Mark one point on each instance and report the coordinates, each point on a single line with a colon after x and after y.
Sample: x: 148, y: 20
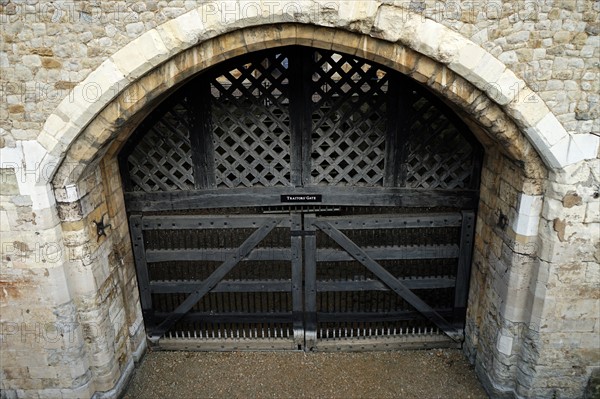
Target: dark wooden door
x: 317, y: 278
x: 302, y: 199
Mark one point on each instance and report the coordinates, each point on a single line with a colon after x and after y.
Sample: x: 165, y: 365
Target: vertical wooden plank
x: 310, y: 283
x: 297, y: 300
x: 197, y: 100
x: 396, y: 151
x: 464, y: 265
x: 139, y: 253
x: 300, y: 63
x: 297, y: 114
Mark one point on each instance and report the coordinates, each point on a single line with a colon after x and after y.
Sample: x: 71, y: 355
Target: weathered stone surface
x: 61, y: 67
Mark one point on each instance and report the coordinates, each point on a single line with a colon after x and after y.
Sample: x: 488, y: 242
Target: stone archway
x: 128, y: 85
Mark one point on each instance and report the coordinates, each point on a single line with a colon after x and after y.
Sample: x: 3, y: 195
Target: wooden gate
x: 302, y: 199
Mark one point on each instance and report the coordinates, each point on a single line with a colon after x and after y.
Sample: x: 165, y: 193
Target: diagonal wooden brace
x: 205, y: 286
x: 388, y: 279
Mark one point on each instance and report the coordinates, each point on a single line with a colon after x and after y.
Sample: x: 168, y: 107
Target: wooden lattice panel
x: 299, y: 117
x: 162, y: 161
x: 251, y: 121
x: 349, y: 121
x: 439, y: 156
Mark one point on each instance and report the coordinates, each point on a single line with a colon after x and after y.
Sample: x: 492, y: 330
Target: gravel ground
x: 425, y: 374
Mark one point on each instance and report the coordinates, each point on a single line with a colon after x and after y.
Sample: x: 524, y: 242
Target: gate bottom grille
x: 408, y: 340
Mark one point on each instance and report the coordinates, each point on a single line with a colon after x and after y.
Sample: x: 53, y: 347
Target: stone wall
x: 49, y: 47
x: 70, y: 318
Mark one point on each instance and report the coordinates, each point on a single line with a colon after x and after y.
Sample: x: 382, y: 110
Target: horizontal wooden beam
x: 207, y: 222
x: 216, y: 254
x: 374, y: 285
x: 391, y: 221
x: 323, y: 255
x: 269, y: 197
x: 171, y: 287
x: 392, y: 253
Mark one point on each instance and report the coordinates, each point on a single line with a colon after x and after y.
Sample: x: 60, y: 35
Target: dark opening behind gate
x: 302, y: 199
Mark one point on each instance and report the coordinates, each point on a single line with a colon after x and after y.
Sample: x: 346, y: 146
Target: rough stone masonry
x: 77, y: 76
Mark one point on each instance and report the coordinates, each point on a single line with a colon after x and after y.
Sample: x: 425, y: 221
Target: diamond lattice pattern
x: 162, y: 159
x: 439, y: 156
x: 349, y: 121
x: 347, y: 100
x: 251, y: 124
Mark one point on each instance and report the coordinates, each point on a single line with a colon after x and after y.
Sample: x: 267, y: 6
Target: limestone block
x: 346, y: 42
x: 182, y: 32
x: 85, y: 391
x: 526, y: 225
x: 505, y: 88
x: 50, y: 143
x: 91, y: 95
x: 55, y: 124
x: 573, y: 149
x: 231, y: 45
x: 468, y: 56
x: 443, y: 78
x: 546, y: 134
x: 424, y: 70
x: 487, y: 71
x: 81, y: 280
x: 389, y: 26
x: 550, y: 247
x: 140, y: 55
x: 428, y: 36
x: 357, y: 14
x: 592, y: 212
x: 55, y: 287
x: 530, y: 204
x: 256, y: 39
x: 323, y: 38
